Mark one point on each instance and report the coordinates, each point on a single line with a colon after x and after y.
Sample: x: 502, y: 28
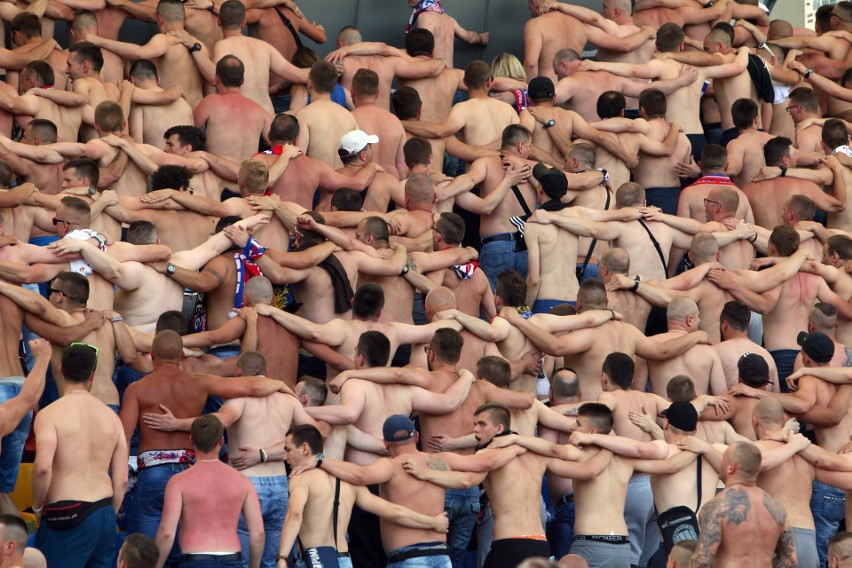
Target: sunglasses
x: 57, y: 221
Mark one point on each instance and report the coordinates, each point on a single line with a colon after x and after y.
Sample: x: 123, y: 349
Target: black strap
x: 698, y: 480
x: 289, y: 26
x: 594, y: 241
x: 337, y: 506
x: 521, y: 200
x: 656, y: 245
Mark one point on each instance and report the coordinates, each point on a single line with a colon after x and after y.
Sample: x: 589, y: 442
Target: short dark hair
x: 511, y: 288
x: 174, y: 320
x: 840, y: 244
x: 85, y: 168
x: 736, y: 315
x: 417, y: 151
x: 513, y: 135
x: 365, y: 83
x: 44, y: 75
x: 406, y: 103
x: 251, y: 363
x: 806, y: 98
x: 611, y: 104
x: 775, y: 149
x: 494, y: 369
x: 347, y: 200
x: 206, y: 432
x: 109, y: 116
x: 785, y: 239
x: 802, y: 206
x: 304, y: 57
x: 368, y: 301
x: 142, y: 233
x: 653, y: 102
x: 834, y: 133
x: 323, y: 75
x: 419, y: 41
x: 233, y: 14
x: 497, y: 413
x: 307, y: 434
x: 376, y: 227
x: 680, y: 388
x: 619, y: 367
x: 44, y: 129
x: 315, y: 389
x: 284, y: 128
x: 669, y: 37
x: 452, y: 227
x: 27, y: 23
x: 76, y: 287
x: 79, y: 362
x: 743, y: 113
x: 139, y: 551
x: 230, y: 69
x: 599, y: 416
x: 447, y: 344
x: 592, y: 293
x: 143, y: 69
x: 187, y: 135
x: 170, y: 177
x: 88, y: 52
x: 714, y: 157
x: 476, y: 74
x: 374, y: 347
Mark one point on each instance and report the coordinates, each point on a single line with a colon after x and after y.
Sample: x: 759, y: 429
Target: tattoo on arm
x: 219, y: 277
x: 436, y: 464
x: 785, y: 550
x: 710, y: 533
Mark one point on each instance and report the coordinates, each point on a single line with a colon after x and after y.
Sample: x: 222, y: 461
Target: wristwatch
x: 320, y: 457
x: 549, y: 124
x: 195, y: 47
x: 405, y: 270
x: 170, y: 269
x: 808, y: 73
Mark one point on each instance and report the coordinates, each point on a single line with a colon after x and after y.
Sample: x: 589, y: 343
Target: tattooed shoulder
x: 775, y: 509
x: 436, y: 463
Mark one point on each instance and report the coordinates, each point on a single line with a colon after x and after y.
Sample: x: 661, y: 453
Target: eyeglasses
x: 706, y: 201
x: 57, y: 291
x: 93, y: 348
x: 435, y: 229
x: 56, y: 221
x: 790, y: 107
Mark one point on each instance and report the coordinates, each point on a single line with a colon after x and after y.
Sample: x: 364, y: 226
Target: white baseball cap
x: 353, y: 142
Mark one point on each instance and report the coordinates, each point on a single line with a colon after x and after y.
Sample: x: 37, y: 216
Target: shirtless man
x: 323, y: 122
x: 745, y: 156
x: 579, y: 89
x: 357, y: 150
x: 377, y: 121
x: 82, y: 463
x: 304, y: 174
x: 164, y: 454
x: 480, y: 120
x: 804, y: 106
x: 720, y: 210
x: 723, y: 526
x: 635, y: 309
x: 38, y: 75
x: 733, y: 323
x: 585, y: 349
x: 690, y: 284
x: 444, y: 27
x: 280, y: 27
x: 701, y: 362
x: 767, y: 196
x: 27, y: 38
x: 547, y: 33
x: 257, y: 423
x: 148, y: 123
x: 209, y: 525
x: 85, y: 61
x: 511, y: 482
x: 313, y: 492
x: 84, y: 26
x: 386, y: 61
x: 264, y: 57
x: 174, y: 64
x: 697, y: 19
x: 216, y: 112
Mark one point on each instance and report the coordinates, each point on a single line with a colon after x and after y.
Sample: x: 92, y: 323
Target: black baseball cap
x: 541, y: 88
x: 753, y: 370
x: 817, y: 345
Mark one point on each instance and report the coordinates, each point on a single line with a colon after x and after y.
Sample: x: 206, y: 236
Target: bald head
x: 168, y: 346
x: 259, y: 289
x: 617, y: 260
x: 681, y: 308
x: 769, y: 411
x: 728, y: 199
x: 747, y: 458
x: 440, y: 299
x: 33, y: 558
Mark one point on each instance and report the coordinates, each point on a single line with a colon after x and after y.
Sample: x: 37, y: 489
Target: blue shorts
x: 320, y: 557
x: 663, y: 197
x: 13, y: 443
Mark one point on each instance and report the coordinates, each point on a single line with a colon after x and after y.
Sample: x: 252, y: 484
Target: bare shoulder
x: 775, y: 509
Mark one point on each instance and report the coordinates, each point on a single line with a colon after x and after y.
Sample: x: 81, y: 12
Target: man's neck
x: 713, y: 173
x: 679, y: 327
x: 232, y: 32
x: 164, y: 364
x: 172, y: 27
x: 418, y: 169
x: 315, y: 96
x: 478, y: 94
x: 223, y: 90
x: 364, y: 103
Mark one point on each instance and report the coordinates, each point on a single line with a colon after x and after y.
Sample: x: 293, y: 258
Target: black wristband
x: 636, y: 283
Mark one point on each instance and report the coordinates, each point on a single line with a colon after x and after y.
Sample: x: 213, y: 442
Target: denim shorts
x: 13, y: 443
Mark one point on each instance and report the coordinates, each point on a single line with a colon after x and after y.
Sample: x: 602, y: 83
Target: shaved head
x: 168, y: 346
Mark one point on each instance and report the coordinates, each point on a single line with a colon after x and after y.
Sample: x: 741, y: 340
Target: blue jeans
x: 273, y: 495
x: 462, y: 507
x: 148, y: 502
x: 828, y: 507
x: 498, y: 256
x: 13, y: 443
x: 442, y: 561
x: 560, y: 529
x: 544, y: 306
x: 91, y: 544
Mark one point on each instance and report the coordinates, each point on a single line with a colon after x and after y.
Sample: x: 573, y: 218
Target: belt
x: 343, y: 555
x: 499, y: 237
x: 211, y: 557
x: 418, y: 553
x: 565, y: 499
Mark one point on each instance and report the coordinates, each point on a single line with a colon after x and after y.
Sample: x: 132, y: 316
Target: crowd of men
x: 378, y: 310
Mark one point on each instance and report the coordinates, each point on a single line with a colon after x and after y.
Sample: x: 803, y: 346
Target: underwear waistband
x: 608, y: 538
x: 153, y: 458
